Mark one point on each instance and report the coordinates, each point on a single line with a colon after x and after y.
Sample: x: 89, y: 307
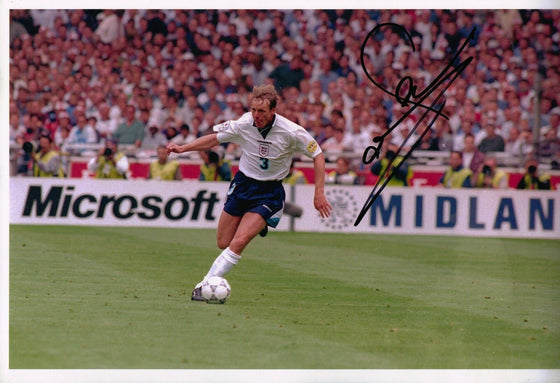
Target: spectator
x: 443, y: 135
x: 518, y: 145
x: 342, y: 175
x: 263, y: 24
x: 131, y: 131
x: 358, y: 139
x: 184, y: 136
x: 456, y: 176
x: 109, y: 162
x: 428, y: 141
x: 154, y: 138
x: 492, y: 142
x: 186, y: 111
x: 171, y: 132
x: 334, y: 146
x: 213, y: 167
x: 106, y: 125
x: 17, y: 30
x: 16, y: 129
x: 110, y: 26
x: 164, y: 168
x: 549, y: 147
x: 82, y: 133
x: 401, y: 137
x: 317, y: 95
x: 46, y: 162
x: 400, y: 176
x: 288, y: 74
x: 402, y: 128
x: 54, y: 57
x: 51, y: 123
x: 531, y: 179
x: 472, y: 157
x: 325, y: 74
x: 210, y: 96
x: 554, y: 123
x: 34, y: 128
x: 344, y: 69
x: 489, y: 176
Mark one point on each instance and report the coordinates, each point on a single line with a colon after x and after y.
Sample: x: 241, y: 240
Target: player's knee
x: 222, y: 243
x: 238, y: 243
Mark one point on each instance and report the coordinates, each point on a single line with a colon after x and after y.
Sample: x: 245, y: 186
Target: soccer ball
x: 215, y: 290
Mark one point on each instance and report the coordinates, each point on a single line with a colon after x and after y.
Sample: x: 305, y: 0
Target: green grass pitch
x: 100, y: 297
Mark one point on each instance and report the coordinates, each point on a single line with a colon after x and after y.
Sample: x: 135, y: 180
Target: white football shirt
x: 267, y: 158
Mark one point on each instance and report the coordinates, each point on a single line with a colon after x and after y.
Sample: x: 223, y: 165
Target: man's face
x: 342, y: 166
x: 81, y: 121
x: 469, y: 144
x: 162, y: 154
x: 455, y: 160
x: 129, y: 112
x: 44, y: 144
x: 262, y: 113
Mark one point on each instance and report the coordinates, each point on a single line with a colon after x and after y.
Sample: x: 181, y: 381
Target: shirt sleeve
x: 306, y: 144
x: 228, y: 131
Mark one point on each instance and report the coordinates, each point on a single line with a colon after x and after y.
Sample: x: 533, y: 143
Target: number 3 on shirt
x: 264, y: 163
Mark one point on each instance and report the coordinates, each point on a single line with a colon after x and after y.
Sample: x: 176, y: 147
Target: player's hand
x: 322, y: 205
x: 172, y: 148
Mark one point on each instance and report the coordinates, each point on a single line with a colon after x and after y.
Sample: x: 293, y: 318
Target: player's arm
x: 320, y: 200
x: 201, y: 143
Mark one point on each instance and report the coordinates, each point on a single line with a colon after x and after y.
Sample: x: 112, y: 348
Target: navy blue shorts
x: 265, y: 198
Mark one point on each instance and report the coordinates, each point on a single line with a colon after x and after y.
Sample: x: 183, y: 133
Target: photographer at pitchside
x: 531, y: 179
x: 489, y: 176
x: 46, y: 161
x: 109, y: 162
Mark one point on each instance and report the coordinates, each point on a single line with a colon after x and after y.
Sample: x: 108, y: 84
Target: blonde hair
x: 266, y: 92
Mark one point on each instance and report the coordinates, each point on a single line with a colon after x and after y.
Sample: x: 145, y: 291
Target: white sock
x: 223, y: 263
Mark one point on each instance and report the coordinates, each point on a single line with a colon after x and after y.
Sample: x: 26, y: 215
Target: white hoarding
x: 438, y: 211
x: 116, y: 202
x: 434, y: 211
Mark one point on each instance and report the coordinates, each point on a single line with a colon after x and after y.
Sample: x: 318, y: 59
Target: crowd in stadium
x: 146, y: 77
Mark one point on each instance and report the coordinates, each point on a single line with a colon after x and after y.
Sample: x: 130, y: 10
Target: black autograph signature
x: 449, y: 74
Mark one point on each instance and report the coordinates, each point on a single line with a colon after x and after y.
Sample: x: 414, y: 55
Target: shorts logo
x: 312, y: 146
x: 263, y: 150
x: 231, y: 189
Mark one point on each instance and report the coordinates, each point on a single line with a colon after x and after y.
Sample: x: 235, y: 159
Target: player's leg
x: 248, y: 227
x: 224, y: 262
x: 227, y: 226
x: 251, y: 224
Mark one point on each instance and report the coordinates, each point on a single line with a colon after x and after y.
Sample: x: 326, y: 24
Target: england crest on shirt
x: 263, y: 150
